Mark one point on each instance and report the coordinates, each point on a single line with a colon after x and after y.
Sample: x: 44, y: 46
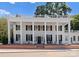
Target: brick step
x: 39, y: 46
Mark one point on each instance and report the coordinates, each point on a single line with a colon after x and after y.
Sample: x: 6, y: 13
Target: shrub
x: 5, y: 40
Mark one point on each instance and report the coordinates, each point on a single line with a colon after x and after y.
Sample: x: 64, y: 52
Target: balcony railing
x: 74, y: 30
x: 50, y: 16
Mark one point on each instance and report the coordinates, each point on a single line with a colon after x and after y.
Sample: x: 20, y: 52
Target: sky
x: 28, y: 8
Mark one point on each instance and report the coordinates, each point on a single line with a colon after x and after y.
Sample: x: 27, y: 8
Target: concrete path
x: 39, y: 53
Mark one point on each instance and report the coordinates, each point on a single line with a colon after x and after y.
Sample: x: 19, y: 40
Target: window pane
x: 17, y: 37
x: 38, y: 27
x: 26, y: 27
x: 49, y: 39
x: 26, y: 37
x: 31, y: 27
x: 50, y: 27
x: 74, y: 38
x: 17, y: 27
x: 43, y: 28
x: 60, y: 28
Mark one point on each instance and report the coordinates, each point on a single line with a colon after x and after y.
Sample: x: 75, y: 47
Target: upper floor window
x: 28, y: 27
x: 55, y: 28
x: 48, y: 27
x: 17, y: 27
x: 39, y: 27
x: 35, y: 27
x: 59, y: 28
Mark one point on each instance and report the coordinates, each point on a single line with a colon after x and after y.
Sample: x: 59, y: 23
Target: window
x: 55, y: 28
x: 50, y: 27
x: 35, y: 27
x: 49, y: 39
x: 31, y: 27
x: 29, y: 37
x: 43, y: 28
x: 38, y: 27
x: 17, y: 27
x: 28, y: 27
x: 59, y: 28
x: 46, y: 28
x: 73, y: 38
x: 17, y: 37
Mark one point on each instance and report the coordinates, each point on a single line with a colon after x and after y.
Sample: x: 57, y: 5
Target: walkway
x: 39, y: 53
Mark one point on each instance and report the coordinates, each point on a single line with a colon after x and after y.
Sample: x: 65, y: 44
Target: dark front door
x: 39, y: 40
x: 60, y: 40
x: 12, y: 37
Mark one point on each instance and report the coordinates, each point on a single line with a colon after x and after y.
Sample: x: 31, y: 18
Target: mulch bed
x: 30, y: 46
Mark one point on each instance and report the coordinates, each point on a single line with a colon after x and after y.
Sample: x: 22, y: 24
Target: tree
x: 65, y: 9
x: 53, y: 9
x: 40, y: 10
x: 75, y: 22
x: 3, y: 29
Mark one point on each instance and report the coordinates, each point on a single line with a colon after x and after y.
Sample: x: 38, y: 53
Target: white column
x: 33, y: 31
x: 9, y: 32
x: 69, y: 32
x: 14, y: 38
x: 57, y: 34
x: 52, y: 39
x: 21, y: 31
x: 63, y: 35
x: 76, y: 39
x: 45, y: 33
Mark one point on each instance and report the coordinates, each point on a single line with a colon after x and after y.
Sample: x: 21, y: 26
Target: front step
x: 39, y: 46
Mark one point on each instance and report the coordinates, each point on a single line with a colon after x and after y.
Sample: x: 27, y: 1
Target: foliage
x: 4, y: 40
x: 53, y: 9
x: 75, y: 22
x: 3, y: 29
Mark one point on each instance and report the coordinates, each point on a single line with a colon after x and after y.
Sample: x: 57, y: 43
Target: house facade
x: 41, y: 30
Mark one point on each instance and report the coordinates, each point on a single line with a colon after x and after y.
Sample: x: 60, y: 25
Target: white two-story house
x: 41, y: 30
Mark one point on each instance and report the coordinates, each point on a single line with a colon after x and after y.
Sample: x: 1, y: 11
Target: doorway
x: 39, y: 40
x: 60, y: 39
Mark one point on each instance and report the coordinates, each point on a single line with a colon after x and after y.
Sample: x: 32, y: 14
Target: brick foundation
x: 39, y: 46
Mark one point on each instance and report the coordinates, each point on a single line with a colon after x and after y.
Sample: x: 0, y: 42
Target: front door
x: 39, y: 40
x: 60, y: 39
